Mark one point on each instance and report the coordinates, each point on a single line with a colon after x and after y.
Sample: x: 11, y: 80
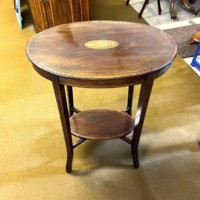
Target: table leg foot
x: 69, y: 160
x: 159, y: 7
x: 136, y: 165
x: 135, y: 159
x: 172, y: 11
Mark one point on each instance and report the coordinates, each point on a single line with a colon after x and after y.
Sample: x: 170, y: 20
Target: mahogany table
x: 186, y: 5
x: 101, y: 54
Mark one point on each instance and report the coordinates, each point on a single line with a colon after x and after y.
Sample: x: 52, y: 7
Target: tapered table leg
x: 60, y: 95
x: 144, y: 96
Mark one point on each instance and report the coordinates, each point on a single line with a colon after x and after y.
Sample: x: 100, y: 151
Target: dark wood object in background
x: 49, y: 13
x: 101, y: 124
x: 61, y: 55
x: 184, y: 4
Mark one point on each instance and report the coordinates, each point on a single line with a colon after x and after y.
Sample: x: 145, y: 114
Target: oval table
x: 101, y: 54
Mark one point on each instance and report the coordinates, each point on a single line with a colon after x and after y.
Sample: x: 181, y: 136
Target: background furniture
x: 49, y: 13
x: 187, y: 6
x: 144, y: 6
x: 76, y: 55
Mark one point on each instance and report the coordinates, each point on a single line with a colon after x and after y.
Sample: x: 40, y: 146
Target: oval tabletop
x: 96, y: 50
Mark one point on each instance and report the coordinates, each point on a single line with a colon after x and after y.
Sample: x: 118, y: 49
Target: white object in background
x: 18, y: 12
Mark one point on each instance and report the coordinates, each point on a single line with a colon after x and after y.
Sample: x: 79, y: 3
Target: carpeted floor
x: 32, y: 149
x: 183, y: 35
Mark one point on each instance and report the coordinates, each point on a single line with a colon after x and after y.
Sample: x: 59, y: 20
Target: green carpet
x: 113, y: 10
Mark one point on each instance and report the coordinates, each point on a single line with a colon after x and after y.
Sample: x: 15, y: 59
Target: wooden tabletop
x: 101, y: 50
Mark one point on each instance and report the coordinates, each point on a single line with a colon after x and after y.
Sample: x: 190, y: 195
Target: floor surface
x: 32, y: 149
x: 163, y: 21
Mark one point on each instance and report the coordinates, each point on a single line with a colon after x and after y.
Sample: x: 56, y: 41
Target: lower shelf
x: 101, y: 124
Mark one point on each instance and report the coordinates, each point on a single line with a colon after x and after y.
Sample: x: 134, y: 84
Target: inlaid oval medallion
x: 101, y: 44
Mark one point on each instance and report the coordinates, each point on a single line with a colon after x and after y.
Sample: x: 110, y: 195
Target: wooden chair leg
x: 59, y: 91
x: 172, y: 11
x: 159, y: 7
x: 143, y: 7
x: 145, y: 92
x: 127, y: 2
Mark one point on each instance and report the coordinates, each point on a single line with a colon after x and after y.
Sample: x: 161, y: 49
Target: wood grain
x: 49, y: 13
x: 101, y: 124
x: 61, y: 50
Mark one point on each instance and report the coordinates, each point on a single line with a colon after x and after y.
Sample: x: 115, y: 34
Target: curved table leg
x: 189, y: 8
x: 145, y: 93
x: 60, y: 95
x: 172, y: 11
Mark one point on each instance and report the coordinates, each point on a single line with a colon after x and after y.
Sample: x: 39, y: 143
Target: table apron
x: 101, y: 83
